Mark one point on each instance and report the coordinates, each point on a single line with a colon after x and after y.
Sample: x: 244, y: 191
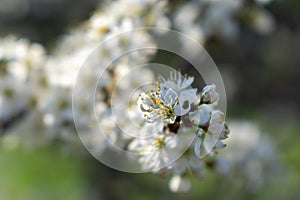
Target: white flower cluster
x: 36, y: 89
x: 251, y: 154
x: 21, y: 68
x: 23, y: 83
x: 183, y: 129
x: 206, y: 19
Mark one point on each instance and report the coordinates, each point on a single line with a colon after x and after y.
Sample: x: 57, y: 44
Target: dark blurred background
x: 43, y: 21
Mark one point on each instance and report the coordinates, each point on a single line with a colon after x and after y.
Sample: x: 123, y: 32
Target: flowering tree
x: 180, y: 127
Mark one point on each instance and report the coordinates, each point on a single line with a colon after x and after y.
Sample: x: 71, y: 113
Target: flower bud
x: 209, y: 94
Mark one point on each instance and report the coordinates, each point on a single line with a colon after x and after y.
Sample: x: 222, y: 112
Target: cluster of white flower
x: 46, y: 82
x: 251, y: 154
x: 182, y: 125
x: 23, y: 82
x: 21, y: 69
x: 183, y: 130
x: 204, y: 19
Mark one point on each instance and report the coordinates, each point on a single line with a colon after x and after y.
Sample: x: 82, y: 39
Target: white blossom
x: 209, y: 94
x: 180, y: 184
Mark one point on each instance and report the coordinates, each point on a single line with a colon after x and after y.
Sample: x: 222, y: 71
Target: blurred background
x: 260, y: 69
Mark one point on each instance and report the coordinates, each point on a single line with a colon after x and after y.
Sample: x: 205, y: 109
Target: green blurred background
x: 261, y: 75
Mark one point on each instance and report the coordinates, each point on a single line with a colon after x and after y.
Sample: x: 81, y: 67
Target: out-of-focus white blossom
x: 252, y: 155
x: 262, y: 21
x: 202, y: 20
x: 21, y: 75
x: 179, y: 184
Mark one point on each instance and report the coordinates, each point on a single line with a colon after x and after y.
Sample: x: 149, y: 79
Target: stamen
x: 157, y: 100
